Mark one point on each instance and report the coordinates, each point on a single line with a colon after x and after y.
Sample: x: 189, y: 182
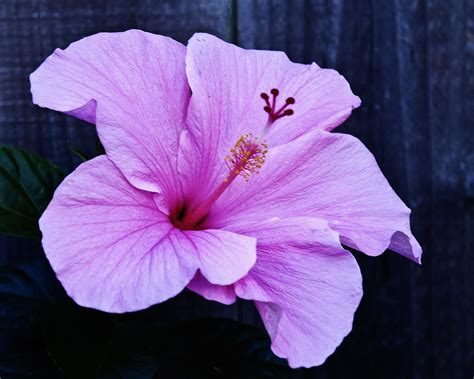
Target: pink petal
x: 227, y: 81
x: 224, y: 257
x: 109, y: 245
x: 136, y: 82
x: 330, y: 176
x: 222, y: 294
x: 306, y: 287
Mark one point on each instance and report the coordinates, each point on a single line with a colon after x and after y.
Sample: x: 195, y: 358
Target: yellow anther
x: 246, y: 157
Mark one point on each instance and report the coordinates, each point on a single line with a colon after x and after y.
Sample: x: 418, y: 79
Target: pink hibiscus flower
x: 220, y: 175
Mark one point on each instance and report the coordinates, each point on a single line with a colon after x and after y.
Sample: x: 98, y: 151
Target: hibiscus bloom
x: 220, y: 175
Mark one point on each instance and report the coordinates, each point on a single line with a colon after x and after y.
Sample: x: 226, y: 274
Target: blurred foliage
x: 27, y: 184
x: 99, y: 150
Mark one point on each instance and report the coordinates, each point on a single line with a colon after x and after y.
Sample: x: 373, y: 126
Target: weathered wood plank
x: 451, y: 143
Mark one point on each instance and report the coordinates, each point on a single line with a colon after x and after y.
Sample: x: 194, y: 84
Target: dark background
x: 411, y: 62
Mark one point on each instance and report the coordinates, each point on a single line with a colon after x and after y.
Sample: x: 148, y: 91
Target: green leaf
x: 27, y: 184
x: 28, y: 287
x: 79, y: 153
x: 98, y: 150
x: 202, y: 348
x: 85, y: 343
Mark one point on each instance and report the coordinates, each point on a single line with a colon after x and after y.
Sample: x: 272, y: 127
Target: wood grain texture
x: 410, y: 61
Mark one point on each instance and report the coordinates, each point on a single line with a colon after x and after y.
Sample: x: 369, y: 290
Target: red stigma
x: 270, y: 105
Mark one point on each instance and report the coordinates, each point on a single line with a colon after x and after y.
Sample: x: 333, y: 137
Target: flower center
x: 246, y: 158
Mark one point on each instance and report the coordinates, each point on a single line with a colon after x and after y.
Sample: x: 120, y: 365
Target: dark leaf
x: 27, y: 290
x: 89, y: 344
x: 27, y: 184
x: 77, y: 339
x: 78, y: 153
x: 205, y: 348
x: 99, y: 148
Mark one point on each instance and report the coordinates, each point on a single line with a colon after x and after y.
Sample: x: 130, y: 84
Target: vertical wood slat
x: 411, y: 63
x: 452, y: 149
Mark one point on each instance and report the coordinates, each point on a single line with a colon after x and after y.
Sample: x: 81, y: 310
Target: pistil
x: 270, y: 107
x: 245, y: 158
